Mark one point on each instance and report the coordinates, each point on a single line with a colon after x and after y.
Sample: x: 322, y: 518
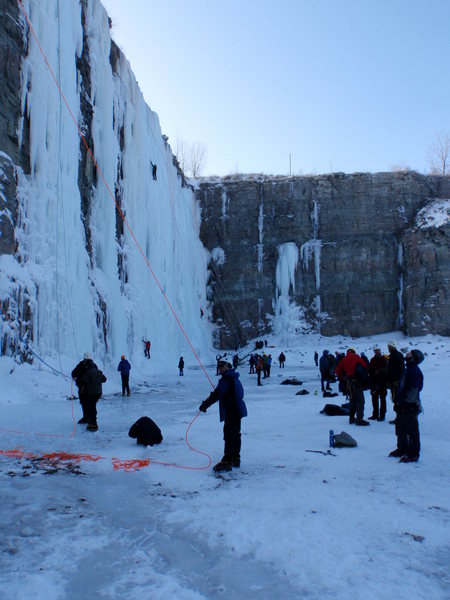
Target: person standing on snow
x: 281, y: 360
x: 324, y: 367
x: 124, y: 368
x: 181, y: 366
x: 259, y: 367
x: 408, y: 409
x: 396, y: 363
x: 353, y: 370
x: 77, y: 374
x: 378, y: 384
x: 92, y: 381
x: 230, y: 394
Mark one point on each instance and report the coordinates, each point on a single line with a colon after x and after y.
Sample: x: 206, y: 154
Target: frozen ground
x: 290, y: 524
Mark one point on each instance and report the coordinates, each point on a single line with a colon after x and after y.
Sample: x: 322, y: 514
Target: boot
x: 92, y: 426
x: 396, y: 453
x: 82, y: 420
x: 373, y: 418
x: 223, y: 465
x: 361, y: 422
x: 236, y: 462
x: 408, y: 459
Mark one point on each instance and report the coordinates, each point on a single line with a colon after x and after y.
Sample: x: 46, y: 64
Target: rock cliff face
x: 361, y: 265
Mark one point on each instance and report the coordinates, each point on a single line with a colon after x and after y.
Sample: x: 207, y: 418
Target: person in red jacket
x: 353, y: 370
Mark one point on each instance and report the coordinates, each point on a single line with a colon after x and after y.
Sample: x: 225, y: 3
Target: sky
x: 293, y: 86
x: 293, y: 522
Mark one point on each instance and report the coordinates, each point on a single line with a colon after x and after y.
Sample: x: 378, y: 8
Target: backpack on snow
x: 343, y: 440
x: 146, y: 431
x: 333, y: 410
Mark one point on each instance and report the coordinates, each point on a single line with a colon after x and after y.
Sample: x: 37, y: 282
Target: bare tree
x: 191, y: 157
x: 181, y: 152
x: 439, y: 153
x: 197, y: 158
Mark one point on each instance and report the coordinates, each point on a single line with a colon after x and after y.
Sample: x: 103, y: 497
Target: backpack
x: 146, y: 431
x: 333, y: 410
x: 362, y: 376
x: 343, y: 440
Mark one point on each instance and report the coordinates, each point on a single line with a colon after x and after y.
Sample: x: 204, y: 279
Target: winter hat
x: 225, y: 363
x: 351, y: 350
x: 376, y: 347
x: 417, y: 356
x: 87, y: 355
x: 392, y: 344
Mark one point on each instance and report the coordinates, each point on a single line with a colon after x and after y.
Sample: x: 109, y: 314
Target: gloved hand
x: 202, y: 407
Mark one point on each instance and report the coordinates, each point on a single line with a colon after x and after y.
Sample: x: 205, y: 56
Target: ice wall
x: 287, y: 315
x: 79, y: 298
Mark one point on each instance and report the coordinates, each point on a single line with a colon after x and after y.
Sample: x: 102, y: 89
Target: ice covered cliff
x: 74, y: 276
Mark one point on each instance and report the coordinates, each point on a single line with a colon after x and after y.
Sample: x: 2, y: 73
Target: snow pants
x: 232, y: 438
x: 378, y: 409
x: 125, y: 385
x: 356, y: 401
x: 91, y: 408
x: 83, y: 402
x: 407, y: 430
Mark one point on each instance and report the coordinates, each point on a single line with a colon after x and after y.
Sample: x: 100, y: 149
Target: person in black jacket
x: 378, y: 384
x: 181, y: 366
x: 396, y: 363
x: 324, y: 367
x: 408, y: 408
x: 230, y: 393
x: 92, y: 381
x: 77, y: 374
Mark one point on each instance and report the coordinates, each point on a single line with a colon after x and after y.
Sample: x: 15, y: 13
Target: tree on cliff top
x: 191, y: 157
x: 439, y: 153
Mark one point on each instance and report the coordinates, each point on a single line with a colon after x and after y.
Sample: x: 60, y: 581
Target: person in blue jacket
x: 408, y: 408
x: 230, y: 394
x: 125, y: 368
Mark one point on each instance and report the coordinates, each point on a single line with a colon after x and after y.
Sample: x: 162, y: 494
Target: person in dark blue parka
x: 125, y: 368
x: 230, y: 394
x: 408, y: 408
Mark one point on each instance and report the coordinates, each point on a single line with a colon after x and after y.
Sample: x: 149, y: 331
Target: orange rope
x: 99, y: 171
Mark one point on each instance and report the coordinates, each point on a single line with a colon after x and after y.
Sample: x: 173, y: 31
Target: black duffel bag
x: 146, y: 431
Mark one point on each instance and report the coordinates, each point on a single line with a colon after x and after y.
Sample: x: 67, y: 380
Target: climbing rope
x: 61, y: 456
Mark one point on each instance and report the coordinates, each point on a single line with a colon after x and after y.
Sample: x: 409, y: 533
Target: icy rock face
x: 74, y: 277
x: 350, y: 230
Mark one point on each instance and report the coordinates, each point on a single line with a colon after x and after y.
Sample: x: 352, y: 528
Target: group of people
x: 355, y: 373
x: 395, y: 372
x: 260, y: 363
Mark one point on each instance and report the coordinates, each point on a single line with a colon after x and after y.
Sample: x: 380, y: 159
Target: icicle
x: 225, y: 204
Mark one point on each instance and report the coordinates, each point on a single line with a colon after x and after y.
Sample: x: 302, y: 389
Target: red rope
x: 99, y: 171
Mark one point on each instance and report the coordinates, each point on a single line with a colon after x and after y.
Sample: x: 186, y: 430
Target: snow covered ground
x: 293, y: 522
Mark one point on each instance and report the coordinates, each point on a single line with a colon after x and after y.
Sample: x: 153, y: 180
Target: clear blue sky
x: 341, y: 85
